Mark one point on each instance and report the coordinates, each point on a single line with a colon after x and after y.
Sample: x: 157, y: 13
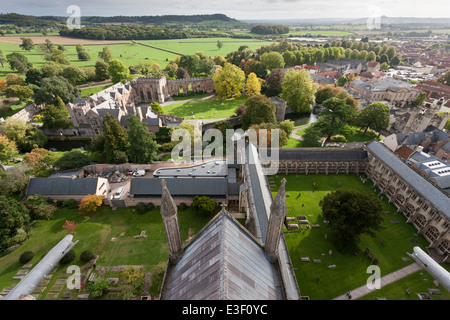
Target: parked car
x: 139, y: 173
x: 118, y: 193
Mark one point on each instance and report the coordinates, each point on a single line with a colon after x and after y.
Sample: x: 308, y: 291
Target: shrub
x: 26, y: 257
x: 339, y: 139
x: 182, y: 206
x: 70, y: 204
x: 87, y: 256
x: 149, y: 206
x: 140, y: 208
x: 68, y: 258
x: 203, y: 205
x: 98, y: 288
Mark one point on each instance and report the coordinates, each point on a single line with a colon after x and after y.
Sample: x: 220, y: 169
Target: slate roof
x: 223, y: 262
x: 62, y: 187
x: 322, y: 155
x: 179, y: 187
x: 437, y: 198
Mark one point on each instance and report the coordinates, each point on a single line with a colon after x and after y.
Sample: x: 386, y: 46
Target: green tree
x: 75, y: 75
x: 287, y: 126
x: 444, y: 79
x: 258, y: 109
x: 101, y: 70
x: 332, y: 119
x: 25, y: 135
x: 27, y: 44
x: 371, y: 56
x: 142, y: 146
x: 13, y: 217
x: 272, y: 60
x: 118, y: 71
x: 229, y: 81
x: 116, y: 140
x: 219, y: 44
x: 420, y: 99
x: 395, y: 61
x: 33, y: 76
x: 156, y: 107
x: 374, y: 116
x: 299, y: 90
x: 341, y: 81
x: 351, y: 214
x: 54, y: 87
x: 56, y: 117
x: 73, y: 159
x: 18, y: 61
x: 191, y: 63
x: 98, y: 288
x: 105, y: 54
x: 203, y: 205
x: 21, y: 92
x: 84, y: 56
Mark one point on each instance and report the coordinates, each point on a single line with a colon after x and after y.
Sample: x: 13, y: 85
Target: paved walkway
x: 387, y: 279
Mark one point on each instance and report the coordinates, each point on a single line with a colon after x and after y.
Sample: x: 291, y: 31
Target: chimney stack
x: 278, y: 211
x: 170, y: 219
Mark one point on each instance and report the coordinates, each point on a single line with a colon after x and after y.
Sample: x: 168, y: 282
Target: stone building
x: 132, y: 98
x: 425, y: 205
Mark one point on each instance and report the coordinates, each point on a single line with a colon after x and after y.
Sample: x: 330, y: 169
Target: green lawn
x: 205, y: 109
x: 87, y: 92
x: 350, y: 269
x: 95, y: 231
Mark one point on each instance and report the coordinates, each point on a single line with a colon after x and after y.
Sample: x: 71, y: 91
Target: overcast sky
x: 238, y: 9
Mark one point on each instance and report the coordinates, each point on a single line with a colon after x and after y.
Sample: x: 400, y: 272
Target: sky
x: 238, y: 9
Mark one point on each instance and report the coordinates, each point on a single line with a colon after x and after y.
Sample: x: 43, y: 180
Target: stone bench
x: 292, y: 226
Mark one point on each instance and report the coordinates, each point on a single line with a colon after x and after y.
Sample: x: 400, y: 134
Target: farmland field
x: 127, y: 52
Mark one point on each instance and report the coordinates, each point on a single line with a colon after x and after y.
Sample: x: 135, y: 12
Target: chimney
x: 278, y: 211
x: 170, y: 219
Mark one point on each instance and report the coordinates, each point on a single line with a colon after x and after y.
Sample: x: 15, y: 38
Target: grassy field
x: 350, y: 269
x: 94, y: 232
x: 87, y: 92
x: 205, y: 109
x: 323, y: 33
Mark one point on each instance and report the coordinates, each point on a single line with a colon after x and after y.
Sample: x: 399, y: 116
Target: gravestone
x: 67, y: 295
x: 375, y: 261
x: 406, y: 259
x: 395, y: 221
x: 27, y: 266
x: 317, y: 261
x: 60, y: 281
x: 304, y: 259
x: 301, y: 218
x: 83, y: 296
x: 436, y: 283
x: 316, y: 226
x: 408, y: 291
x: 434, y: 291
x: 370, y: 256
x: 333, y: 266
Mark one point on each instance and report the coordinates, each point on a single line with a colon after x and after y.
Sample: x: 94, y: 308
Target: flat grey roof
x: 57, y: 186
x: 179, y: 186
x: 209, y: 169
x: 436, y: 197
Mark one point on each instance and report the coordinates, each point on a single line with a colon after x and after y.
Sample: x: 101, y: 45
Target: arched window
x: 400, y: 200
x: 390, y: 191
x: 432, y: 233
x: 409, y: 210
x: 420, y: 221
x: 444, y: 246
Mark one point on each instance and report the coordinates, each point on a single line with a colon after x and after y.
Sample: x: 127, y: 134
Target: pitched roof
x: 223, y: 262
x: 321, y: 154
x: 404, y: 152
x: 62, y: 187
x: 179, y: 186
x: 438, y: 199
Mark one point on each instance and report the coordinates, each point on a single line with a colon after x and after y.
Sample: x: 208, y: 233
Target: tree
x: 98, y: 288
x: 116, y: 140
x: 253, y: 87
x: 182, y: 73
x: 420, y: 99
x: 26, y: 257
x: 374, y: 116
x: 8, y: 149
x: 68, y: 257
x: 267, y: 134
x: 275, y: 83
x: 101, y: 70
x: 272, y: 60
x: 142, y: 146
x: 219, y: 44
x: 14, y: 180
x: 371, y: 56
x: 391, y: 52
x: 190, y: 62
x: 384, y: 66
x: 341, y: 81
x: 395, y: 61
x: 27, y: 44
x: 299, y: 90
x: 39, y: 208
x: 70, y: 226
x: 56, y: 116
x: 13, y: 217
x: 84, y: 56
x: 18, y: 61
x: 33, y: 76
x: 25, y: 135
x: 105, y: 54
x: 203, y: 205
x: 87, y: 256
x: 444, y: 79
x: 73, y: 159
x: 384, y: 59
x: 21, y: 92
x: 287, y: 126
x: 312, y: 136
x: 332, y: 119
x: 351, y: 214
x: 54, y: 87
x: 90, y: 203
x: 229, y: 81
x: 75, y: 75
x: 131, y: 281
x: 258, y: 109
x: 118, y: 71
